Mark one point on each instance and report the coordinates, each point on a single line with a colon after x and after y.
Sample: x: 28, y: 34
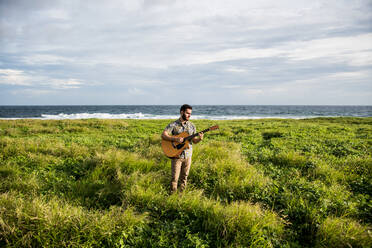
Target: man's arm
x: 198, y: 138
x: 166, y: 136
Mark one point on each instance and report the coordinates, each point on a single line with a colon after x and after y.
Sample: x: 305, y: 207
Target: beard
x: 184, y: 117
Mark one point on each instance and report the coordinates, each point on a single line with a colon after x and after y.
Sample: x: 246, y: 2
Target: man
x: 181, y: 165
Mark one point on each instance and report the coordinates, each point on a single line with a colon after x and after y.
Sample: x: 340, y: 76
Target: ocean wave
x: 105, y: 116
x: 217, y: 112
x: 63, y: 116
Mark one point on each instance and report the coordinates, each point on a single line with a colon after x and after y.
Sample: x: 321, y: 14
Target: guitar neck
x: 196, y: 134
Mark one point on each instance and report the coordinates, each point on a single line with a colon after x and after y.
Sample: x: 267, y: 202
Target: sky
x: 154, y: 52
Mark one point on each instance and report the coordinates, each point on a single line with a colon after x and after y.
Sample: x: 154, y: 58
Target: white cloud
x: 57, y: 14
x: 64, y: 83
x: 46, y: 59
x: 230, y: 86
x: 231, y: 54
x: 32, y: 92
x: 13, y: 77
x: 254, y: 92
x: 351, y: 75
x: 334, y: 79
x: 356, y: 50
x: 136, y: 91
x: 138, y: 46
x: 235, y: 69
x: 31, y: 79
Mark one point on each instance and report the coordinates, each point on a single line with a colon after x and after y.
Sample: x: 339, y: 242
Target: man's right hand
x: 179, y: 140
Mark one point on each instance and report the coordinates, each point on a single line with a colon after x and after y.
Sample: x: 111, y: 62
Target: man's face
x: 186, y: 114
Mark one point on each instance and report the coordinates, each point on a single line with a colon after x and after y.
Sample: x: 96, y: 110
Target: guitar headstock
x: 214, y: 127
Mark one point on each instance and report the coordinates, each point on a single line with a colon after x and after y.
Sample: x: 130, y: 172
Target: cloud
x: 231, y: 54
x: 344, y: 81
x: 30, y: 79
x: 14, y: 77
x: 46, y: 59
x: 230, y: 86
x: 64, y: 83
x: 31, y: 93
x: 166, y: 47
x: 136, y: 91
x: 356, y: 50
x: 235, y: 69
x: 253, y: 92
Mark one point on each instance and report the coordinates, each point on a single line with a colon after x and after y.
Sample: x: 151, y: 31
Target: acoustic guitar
x: 173, y: 149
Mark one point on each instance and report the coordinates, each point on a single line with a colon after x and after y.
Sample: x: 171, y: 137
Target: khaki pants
x: 180, y: 170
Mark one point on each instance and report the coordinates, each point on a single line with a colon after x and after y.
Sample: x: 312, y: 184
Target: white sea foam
x: 63, y: 116
x: 238, y: 117
x: 105, y: 116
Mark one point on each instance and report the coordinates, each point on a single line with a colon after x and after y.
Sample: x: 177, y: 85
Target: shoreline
x: 193, y: 118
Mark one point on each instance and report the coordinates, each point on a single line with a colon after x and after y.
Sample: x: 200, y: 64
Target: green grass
x: 253, y: 183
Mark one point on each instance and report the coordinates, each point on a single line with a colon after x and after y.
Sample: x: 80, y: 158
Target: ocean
x: 212, y: 112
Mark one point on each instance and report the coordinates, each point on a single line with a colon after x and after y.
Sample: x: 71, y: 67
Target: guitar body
x: 172, y: 148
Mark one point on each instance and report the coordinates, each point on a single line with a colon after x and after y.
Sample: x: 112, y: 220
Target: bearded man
x: 181, y: 164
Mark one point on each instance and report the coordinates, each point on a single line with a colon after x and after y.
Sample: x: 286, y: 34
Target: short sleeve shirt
x: 177, y: 127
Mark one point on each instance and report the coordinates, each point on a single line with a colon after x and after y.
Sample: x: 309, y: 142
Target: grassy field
x: 253, y: 183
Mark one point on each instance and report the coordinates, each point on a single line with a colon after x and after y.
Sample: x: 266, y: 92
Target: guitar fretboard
x: 196, y: 134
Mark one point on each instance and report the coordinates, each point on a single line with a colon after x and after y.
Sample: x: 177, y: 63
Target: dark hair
x: 184, y: 107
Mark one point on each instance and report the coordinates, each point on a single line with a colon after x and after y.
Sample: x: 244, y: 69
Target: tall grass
x: 343, y: 232
x: 55, y: 223
x: 253, y: 183
x: 236, y: 224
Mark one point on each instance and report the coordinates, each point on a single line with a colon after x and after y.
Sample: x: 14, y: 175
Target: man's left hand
x: 201, y: 135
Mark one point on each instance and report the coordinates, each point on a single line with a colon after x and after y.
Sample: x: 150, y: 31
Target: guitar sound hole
x: 179, y: 146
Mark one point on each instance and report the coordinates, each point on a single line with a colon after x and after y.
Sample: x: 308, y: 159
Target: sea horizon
x: 211, y: 112
x: 5, y: 105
